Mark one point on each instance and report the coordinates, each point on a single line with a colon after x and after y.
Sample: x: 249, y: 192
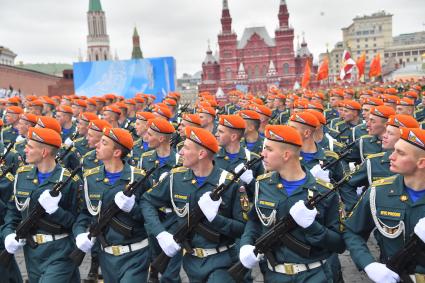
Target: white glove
x: 302, y: 215
x: 68, y: 141
x: 49, y: 203
x: 11, y: 245
x: 83, y: 242
x: 319, y: 173
x: 247, y: 256
x: 247, y: 176
x: 124, y: 202
x: 168, y: 244
x: 208, y: 206
x: 420, y: 229
x: 380, y: 273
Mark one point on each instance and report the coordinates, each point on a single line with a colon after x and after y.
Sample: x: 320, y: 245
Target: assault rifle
x: 279, y: 235
x: 60, y: 158
x: 403, y: 262
x: 107, y: 216
x: 8, y: 149
x: 193, y: 221
x: 34, y: 218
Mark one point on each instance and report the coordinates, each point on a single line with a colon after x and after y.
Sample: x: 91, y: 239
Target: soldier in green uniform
x: 64, y: 117
x: 376, y: 166
x: 280, y: 114
x: 252, y: 139
x: 350, y: 118
x: 49, y: 261
x: 122, y: 258
x: 111, y: 114
x: 395, y: 207
x: 188, y: 120
x: 26, y: 121
x: 282, y: 192
x: 94, y: 134
x: 405, y: 106
x: 9, y: 133
x: 207, y: 115
x: 334, y: 98
x: 361, y: 129
x: 191, y: 184
x: 265, y: 114
x: 140, y: 145
x: 83, y: 122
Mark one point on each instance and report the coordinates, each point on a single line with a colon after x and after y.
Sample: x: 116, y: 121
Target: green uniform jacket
x: 12, y: 159
x: 150, y: 159
x: 8, y: 135
x: 272, y: 203
x: 257, y: 147
x: 359, y: 131
x: 392, y: 205
x: 137, y: 151
x: 81, y: 146
x: 345, y: 132
x: 365, y: 146
x: 330, y: 114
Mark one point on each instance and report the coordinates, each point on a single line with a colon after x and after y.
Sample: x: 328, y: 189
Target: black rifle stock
x: 195, y: 217
x: 24, y: 228
x: 278, y: 235
x: 107, y: 216
x: 8, y: 149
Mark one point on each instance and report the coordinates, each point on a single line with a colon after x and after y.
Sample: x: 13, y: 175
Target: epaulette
x: 339, y: 144
x: 264, y: 176
x: 19, y: 142
x: 66, y: 173
x: 331, y: 154
x: 384, y: 181
x: 79, y: 139
x: 10, y: 177
x: 148, y: 153
x: 88, y: 153
x: 339, y: 122
x: 138, y: 171
x: 138, y: 141
x: 324, y: 183
x: 92, y: 171
x: 6, y: 128
x: 379, y: 154
x: 366, y: 136
x: 179, y: 169
x: 256, y: 155
x: 25, y: 168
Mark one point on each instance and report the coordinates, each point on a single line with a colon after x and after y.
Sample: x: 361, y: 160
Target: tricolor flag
x: 347, y: 66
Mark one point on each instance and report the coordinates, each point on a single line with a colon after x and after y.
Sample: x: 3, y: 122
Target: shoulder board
x: 339, y: 122
x: 253, y: 154
x: 19, y: 142
x: 88, y: 153
x: 73, y: 149
x: 10, y: 177
x: 179, y: 169
x: 338, y: 144
x: 25, y: 168
x: 79, y: 139
x: 180, y: 143
x: 384, y: 181
x: 13, y: 150
x: 67, y: 173
x: 324, y: 184
x: 366, y: 137
x: 264, y: 176
x: 139, y: 171
x: 331, y: 154
x: 148, y: 153
x: 92, y: 171
x: 7, y: 128
x: 138, y: 141
x: 374, y: 155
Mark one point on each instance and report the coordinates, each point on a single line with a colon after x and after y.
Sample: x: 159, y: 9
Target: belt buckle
x: 289, y: 268
x: 116, y: 251
x: 420, y: 278
x: 39, y: 238
x: 199, y: 252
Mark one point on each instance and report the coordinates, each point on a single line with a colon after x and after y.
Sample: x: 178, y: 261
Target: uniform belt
x: 165, y: 210
x: 294, y: 268
x: 418, y: 278
x: 43, y: 238
x: 120, y: 250
x: 201, y: 253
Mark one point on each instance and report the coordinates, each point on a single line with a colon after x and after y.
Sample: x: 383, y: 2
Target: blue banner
x: 155, y: 76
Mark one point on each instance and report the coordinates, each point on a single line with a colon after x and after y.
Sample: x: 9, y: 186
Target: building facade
x: 7, y: 56
x: 98, y: 38
x: 406, y: 49
x: 257, y: 60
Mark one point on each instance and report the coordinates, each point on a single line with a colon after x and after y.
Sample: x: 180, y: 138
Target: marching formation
x: 285, y: 181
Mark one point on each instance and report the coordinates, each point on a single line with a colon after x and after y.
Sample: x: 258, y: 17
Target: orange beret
x: 207, y: 110
x: 139, y: 99
x: 164, y: 111
x: 337, y: 93
x: 402, y: 121
x: 64, y: 109
x: 79, y: 102
x: 406, y: 102
x: 29, y: 117
x: 49, y: 123
x: 160, y: 125
x: 1, y: 123
x: 14, y: 110
x: 119, y: 136
x: 315, y: 105
x: 36, y: 103
x: 411, y: 94
x: 258, y: 101
x: 390, y: 98
x: 45, y: 136
x: 391, y: 90
x: 249, y: 115
x: 91, y: 101
x: 414, y: 136
x: 280, y: 96
x: 49, y: 101
x: 352, y: 105
x: 305, y: 118
x: 98, y: 125
x: 121, y: 105
x: 202, y: 137
x: 232, y: 121
x: 318, y: 115
x: 130, y: 101
x: 373, y: 101
x: 112, y: 108
x: 144, y: 116
x: 88, y: 116
x: 170, y: 102
x: 109, y: 96
x: 284, y: 134
x: 261, y: 109
x: 100, y: 99
x: 301, y: 104
x: 192, y: 118
x: 14, y: 100
x: 319, y: 95
x: 382, y: 111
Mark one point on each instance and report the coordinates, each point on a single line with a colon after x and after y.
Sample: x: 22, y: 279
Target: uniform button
x: 279, y: 186
x: 35, y: 181
x: 106, y: 180
x: 403, y: 198
x: 193, y: 181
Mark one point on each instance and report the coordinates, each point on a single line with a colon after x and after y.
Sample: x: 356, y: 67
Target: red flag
x: 347, y: 66
x: 323, y: 71
x: 360, y: 63
x: 306, y: 77
x: 375, y: 66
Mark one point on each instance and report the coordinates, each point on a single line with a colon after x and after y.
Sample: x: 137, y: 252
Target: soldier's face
x: 365, y: 111
x: 23, y: 127
x: 404, y: 158
x: 82, y: 127
x: 104, y: 149
x: 205, y: 119
x: 349, y: 115
x: 406, y: 110
x: 376, y: 125
x: 272, y: 153
x: 189, y: 153
x: 223, y: 135
x: 183, y: 126
x: 153, y: 138
x: 140, y: 127
x: 390, y: 137
x: 33, y: 152
x: 93, y: 137
x: 11, y: 118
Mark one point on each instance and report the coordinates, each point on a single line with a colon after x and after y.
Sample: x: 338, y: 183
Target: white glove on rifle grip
x: 247, y: 176
x: 208, y: 206
x: 420, y: 229
x: 319, y: 173
x: 83, y: 242
x: 380, y: 273
x: 168, y: 244
x: 124, y: 202
x: 49, y: 203
x: 302, y: 215
x: 247, y: 256
x: 11, y: 245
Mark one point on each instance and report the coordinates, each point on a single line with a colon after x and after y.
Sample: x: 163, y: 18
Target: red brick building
x: 256, y: 60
